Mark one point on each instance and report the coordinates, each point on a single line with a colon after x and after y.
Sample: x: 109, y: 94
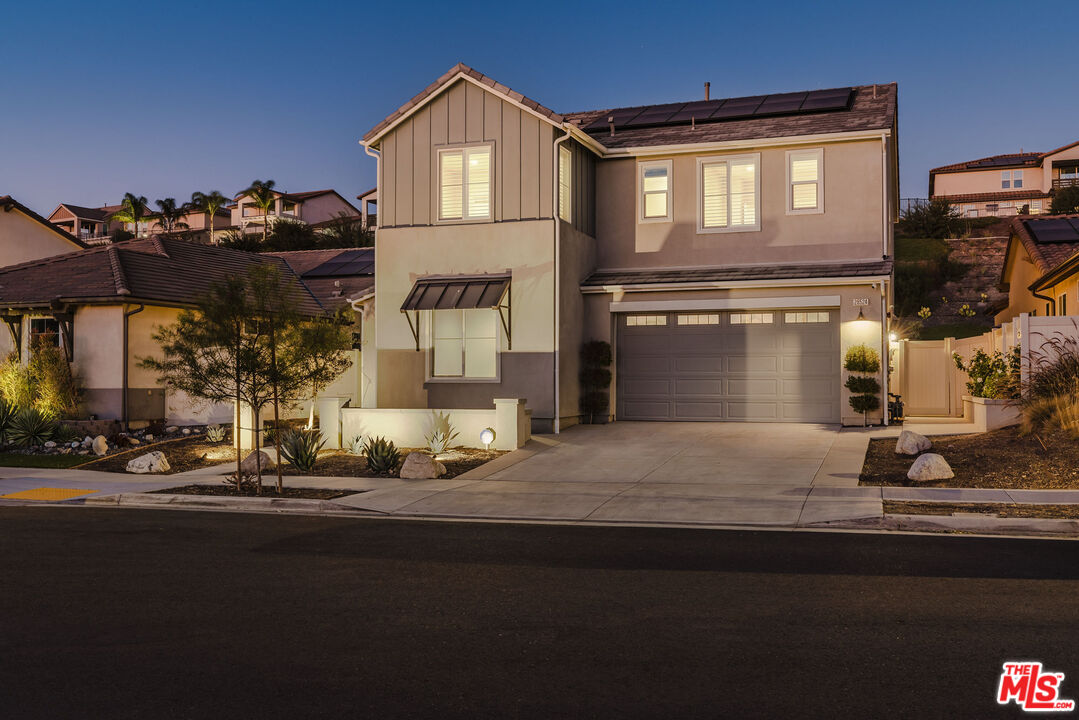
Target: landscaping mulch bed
x: 1004, y: 510
x: 997, y: 459
x: 268, y: 490
x: 193, y: 453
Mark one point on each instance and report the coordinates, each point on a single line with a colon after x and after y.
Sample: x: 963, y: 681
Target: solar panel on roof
x: 350, y: 262
x: 696, y: 110
x: 655, y: 115
x: 738, y: 107
x: 788, y: 102
x: 621, y: 117
x: 998, y: 161
x: 823, y: 100
x: 1055, y: 230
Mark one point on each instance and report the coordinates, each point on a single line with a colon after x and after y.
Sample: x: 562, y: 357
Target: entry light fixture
x: 861, y: 315
x: 487, y: 436
x: 892, y: 337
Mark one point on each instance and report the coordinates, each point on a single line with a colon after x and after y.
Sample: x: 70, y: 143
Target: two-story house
x: 96, y: 226
x: 730, y: 250
x: 312, y: 207
x: 1004, y: 185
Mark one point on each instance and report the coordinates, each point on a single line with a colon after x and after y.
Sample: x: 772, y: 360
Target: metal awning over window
x: 459, y: 292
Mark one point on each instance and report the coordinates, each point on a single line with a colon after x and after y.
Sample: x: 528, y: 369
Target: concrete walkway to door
x: 777, y: 474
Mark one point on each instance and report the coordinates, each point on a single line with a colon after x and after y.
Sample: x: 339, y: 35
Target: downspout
x: 124, y: 392
x: 1052, y: 301
x: 886, y: 343
x: 377, y: 155
x: 557, y: 283
x: 885, y: 177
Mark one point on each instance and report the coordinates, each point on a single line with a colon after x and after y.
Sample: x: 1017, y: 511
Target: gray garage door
x: 765, y: 365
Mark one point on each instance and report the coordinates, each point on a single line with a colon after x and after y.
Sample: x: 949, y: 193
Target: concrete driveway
x: 778, y: 474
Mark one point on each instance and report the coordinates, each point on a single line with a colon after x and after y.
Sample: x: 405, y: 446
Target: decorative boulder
x: 133, y: 441
x: 911, y: 443
x: 420, y: 466
x: 930, y: 466
x: 247, y: 467
x: 187, y: 431
x: 50, y: 444
x: 151, y: 462
x: 171, y: 429
x: 147, y: 437
x: 100, y: 445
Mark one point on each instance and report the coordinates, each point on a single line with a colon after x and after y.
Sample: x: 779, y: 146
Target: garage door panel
x: 751, y: 372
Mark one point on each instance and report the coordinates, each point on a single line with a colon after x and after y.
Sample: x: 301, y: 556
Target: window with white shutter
x: 565, y: 183
x: 729, y: 194
x: 805, y: 186
x: 655, y: 191
x: 464, y: 183
x: 464, y: 343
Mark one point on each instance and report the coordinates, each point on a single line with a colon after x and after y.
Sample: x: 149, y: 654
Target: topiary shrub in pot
x: 595, y: 378
x: 863, y: 362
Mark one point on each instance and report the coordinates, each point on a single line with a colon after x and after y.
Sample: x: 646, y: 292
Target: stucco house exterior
x: 95, y: 226
x: 1003, y: 185
x: 25, y: 235
x: 102, y: 305
x: 1041, y: 267
x: 311, y: 207
x: 729, y: 250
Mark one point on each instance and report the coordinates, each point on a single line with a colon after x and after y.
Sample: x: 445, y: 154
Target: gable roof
x: 331, y: 274
x: 156, y: 270
x: 460, y: 70
x: 306, y: 195
x: 84, y: 213
x: 8, y: 203
x: 994, y: 162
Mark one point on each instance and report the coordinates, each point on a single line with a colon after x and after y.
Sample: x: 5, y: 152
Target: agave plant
x: 31, y: 427
x: 7, y: 416
x: 355, y: 445
x: 215, y: 433
x: 382, y: 455
x: 442, y: 434
x: 65, y: 434
x: 300, y: 448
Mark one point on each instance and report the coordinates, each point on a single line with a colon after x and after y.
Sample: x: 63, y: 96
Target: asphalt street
x: 167, y: 614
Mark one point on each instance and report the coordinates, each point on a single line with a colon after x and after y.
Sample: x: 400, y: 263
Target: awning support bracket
x: 505, y: 314
x: 66, y: 320
x: 414, y: 326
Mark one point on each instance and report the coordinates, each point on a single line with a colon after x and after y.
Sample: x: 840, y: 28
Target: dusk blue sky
x: 163, y: 98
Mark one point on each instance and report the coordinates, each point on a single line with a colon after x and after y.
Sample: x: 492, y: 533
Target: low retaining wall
x: 409, y: 427
x: 988, y: 414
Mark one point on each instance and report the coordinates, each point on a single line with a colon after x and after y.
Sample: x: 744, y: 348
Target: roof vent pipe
x: 707, y: 90
x: 610, y: 121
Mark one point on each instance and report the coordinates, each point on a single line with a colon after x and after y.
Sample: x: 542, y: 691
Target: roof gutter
x: 732, y: 284
x: 1057, y: 274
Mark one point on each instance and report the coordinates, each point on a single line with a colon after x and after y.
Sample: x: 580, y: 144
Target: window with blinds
x: 464, y: 343
x: 565, y: 183
x: 729, y: 193
x: 464, y: 177
x: 655, y: 185
x: 804, y: 186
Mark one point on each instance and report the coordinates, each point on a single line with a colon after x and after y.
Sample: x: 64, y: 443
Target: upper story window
x: 729, y: 193
x: 565, y: 183
x: 1017, y: 178
x: 1011, y: 179
x: 464, y: 191
x: 805, y: 186
x: 654, y: 185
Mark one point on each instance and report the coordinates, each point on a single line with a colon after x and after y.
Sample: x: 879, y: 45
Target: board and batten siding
x: 584, y: 189
x: 523, y: 163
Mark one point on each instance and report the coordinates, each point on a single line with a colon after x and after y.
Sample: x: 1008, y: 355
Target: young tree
x: 1065, y: 201
x: 132, y: 210
x: 208, y: 203
x: 247, y: 343
x: 347, y: 231
x: 262, y: 196
x: 168, y: 216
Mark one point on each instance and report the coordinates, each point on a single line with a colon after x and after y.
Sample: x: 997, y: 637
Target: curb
x: 212, y: 502
x: 1057, y: 527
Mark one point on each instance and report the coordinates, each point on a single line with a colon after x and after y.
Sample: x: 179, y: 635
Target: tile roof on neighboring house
x: 301, y: 196
x: 604, y: 278
x: 351, y: 277
x: 156, y: 270
x: 362, y: 195
x: 1048, y: 255
x: 460, y: 69
x: 84, y: 213
x: 1003, y: 195
x: 1027, y: 159
x: 8, y: 203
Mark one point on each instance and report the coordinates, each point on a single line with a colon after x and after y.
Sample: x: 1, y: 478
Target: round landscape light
x: 487, y: 436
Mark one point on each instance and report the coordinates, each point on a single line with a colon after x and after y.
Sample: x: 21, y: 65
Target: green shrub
x: 15, y: 386
x: 864, y: 403
x: 861, y: 358
x: 56, y: 393
x: 990, y: 376
x: 382, y: 455
x: 1066, y: 200
x: 862, y: 384
x: 301, y: 448
x: 215, y: 433
x: 1049, y: 415
x: 935, y: 219
x: 1054, y: 368
x: 863, y: 362
x: 31, y: 427
x: 66, y: 434
x: 239, y: 240
x: 7, y: 415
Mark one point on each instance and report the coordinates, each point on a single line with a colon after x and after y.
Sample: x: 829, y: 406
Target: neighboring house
x: 25, y: 235
x: 314, y: 207
x: 102, y: 306
x: 369, y: 208
x: 729, y: 250
x: 1004, y: 185
x: 1041, y: 267
x: 95, y: 226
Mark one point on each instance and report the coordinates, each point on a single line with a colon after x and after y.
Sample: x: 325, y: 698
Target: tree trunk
x: 276, y: 405
x: 239, y: 411
x: 258, y: 449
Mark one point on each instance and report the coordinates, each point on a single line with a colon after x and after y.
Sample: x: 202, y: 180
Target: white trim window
x: 654, y: 191
x: 1035, y: 207
x: 464, y: 183
x: 1062, y: 304
x: 766, y: 318
x: 565, y: 183
x: 1005, y: 179
x: 805, y: 182
x: 728, y: 193
x: 645, y: 320
x: 464, y: 343
x: 1017, y: 179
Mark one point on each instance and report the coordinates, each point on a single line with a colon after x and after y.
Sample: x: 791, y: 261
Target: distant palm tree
x: 132, y: 210
x: 262, y: 197
x: 168, y: 215
x: 209, y: 203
